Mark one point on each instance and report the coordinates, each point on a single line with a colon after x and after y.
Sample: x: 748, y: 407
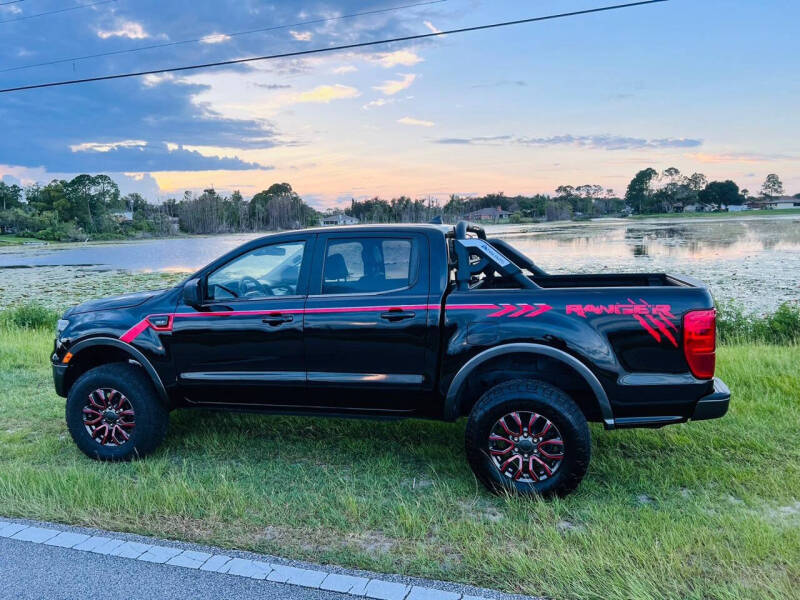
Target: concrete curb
x: 243, y: 564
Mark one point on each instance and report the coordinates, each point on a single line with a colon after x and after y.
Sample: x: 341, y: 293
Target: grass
x: 694, y: 511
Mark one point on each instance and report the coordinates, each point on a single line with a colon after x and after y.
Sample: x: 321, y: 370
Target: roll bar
x: 488, y: 256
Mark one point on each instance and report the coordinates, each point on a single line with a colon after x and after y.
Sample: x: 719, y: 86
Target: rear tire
x: 113, y: 413
x: 528, y: 437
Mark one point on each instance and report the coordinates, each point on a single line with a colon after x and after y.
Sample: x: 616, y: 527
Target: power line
x: 233, y: 34
x: 12, y: 2
x: 55, y: 12
x: 329, y: 49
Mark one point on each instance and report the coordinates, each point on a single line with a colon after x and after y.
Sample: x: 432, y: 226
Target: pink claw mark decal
x: 655, y: 319
x: 525, y: 446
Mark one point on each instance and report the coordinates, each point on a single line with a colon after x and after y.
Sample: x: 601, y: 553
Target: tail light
x: 700, y: 342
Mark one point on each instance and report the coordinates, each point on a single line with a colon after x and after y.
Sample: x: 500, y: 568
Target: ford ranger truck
x: 393, y: 321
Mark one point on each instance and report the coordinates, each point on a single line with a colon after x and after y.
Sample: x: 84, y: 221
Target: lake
x: 752, y: 261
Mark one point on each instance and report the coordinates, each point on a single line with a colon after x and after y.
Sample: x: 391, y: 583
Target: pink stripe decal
x: 134, y: 331
x: 501, y: 310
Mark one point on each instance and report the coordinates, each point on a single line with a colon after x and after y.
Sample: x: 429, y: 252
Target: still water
x: 754, y: 262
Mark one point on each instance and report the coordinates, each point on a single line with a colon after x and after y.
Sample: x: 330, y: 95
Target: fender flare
x: 452, y: 405
x: 134, y: 354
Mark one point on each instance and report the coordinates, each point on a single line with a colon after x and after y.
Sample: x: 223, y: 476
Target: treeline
x: 91, y: 206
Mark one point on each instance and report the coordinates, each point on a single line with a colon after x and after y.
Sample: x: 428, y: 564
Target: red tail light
x: 700, y: 342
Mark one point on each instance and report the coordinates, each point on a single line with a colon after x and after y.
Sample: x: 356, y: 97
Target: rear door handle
x: 397, y: 315
x: 277, y: 319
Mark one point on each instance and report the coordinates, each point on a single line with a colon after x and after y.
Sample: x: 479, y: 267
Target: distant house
x: 123, y: 216
x: 737, y: 207
x: 493, y: 214
x: 338, y: 219
x: 777, y: 203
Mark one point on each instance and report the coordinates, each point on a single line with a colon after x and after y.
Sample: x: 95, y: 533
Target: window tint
x: 369, y: 265
x: 268, y: 271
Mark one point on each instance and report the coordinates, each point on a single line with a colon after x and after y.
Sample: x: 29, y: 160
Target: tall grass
x: 29, y: 315
x: 782, y: 327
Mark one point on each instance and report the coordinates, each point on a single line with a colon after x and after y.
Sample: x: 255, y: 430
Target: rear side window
x: 369, y: 265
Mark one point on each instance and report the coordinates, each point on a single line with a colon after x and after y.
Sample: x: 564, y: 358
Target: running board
x: 629, y: 422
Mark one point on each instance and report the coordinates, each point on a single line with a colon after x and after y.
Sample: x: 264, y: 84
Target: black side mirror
x: 193, y: 293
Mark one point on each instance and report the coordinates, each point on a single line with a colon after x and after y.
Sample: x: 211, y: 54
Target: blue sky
x: 707, y: 86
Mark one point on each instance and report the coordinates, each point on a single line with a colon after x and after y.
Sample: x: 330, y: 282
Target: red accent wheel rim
x: 526, y: 446
x: 109, y: 417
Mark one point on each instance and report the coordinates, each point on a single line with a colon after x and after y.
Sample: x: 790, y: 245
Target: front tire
x: 113, y: 413
x: 528, y: 437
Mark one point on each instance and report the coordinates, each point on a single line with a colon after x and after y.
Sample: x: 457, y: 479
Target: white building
x: 338, y: 219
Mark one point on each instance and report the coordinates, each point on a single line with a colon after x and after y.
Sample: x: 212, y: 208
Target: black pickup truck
x: 396, y: 321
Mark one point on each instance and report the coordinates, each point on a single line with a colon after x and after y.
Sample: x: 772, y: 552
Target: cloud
x: 737, y: 157
x: 326, y: 93
x: 138, y: 156
x: 127, y: 29
x: 391, y: 87
x: 300, y: 36
x: 432, y: 27
x: 377, y: 103
x: 155, y: 79
x: 502, y: 83
x: 215, y: 38
x: 274, y: 86
x: 345, y: 69
x: 417, y: 122
x: 405, y: 58
x: 106, y: 146
x: 603, y: 141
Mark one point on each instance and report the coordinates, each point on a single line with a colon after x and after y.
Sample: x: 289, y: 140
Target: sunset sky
x: 707, y: 86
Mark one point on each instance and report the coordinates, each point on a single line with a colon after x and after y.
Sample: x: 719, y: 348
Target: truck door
x: 245, y: 344
x: 367, y: 321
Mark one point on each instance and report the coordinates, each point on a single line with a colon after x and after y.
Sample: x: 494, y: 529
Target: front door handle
x: 397, y: 315
x: 277, y: 319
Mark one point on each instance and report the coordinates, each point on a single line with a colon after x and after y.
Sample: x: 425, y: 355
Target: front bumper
x: 715, y: 405
x: 59, y: 375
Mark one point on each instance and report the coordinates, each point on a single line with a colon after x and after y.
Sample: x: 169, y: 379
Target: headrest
x: 336, y: 268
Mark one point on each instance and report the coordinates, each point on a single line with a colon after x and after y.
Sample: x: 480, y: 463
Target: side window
x: 268, y: 271
x: 369, y: 265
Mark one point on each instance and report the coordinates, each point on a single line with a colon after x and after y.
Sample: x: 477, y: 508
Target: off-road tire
x: 536, y: 397
x: 150, y: 416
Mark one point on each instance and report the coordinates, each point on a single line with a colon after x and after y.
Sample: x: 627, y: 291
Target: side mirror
x: 192, y: 293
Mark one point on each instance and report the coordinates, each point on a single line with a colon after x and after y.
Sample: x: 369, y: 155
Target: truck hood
x: 113, y: 302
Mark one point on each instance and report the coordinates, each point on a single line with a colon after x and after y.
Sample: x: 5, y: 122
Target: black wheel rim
x: 526, y: 446
x: 108, y: 417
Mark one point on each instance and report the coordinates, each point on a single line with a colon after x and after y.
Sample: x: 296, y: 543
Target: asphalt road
x: 36, y: 571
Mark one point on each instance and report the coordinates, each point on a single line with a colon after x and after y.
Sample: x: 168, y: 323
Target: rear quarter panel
x: 630, y: 338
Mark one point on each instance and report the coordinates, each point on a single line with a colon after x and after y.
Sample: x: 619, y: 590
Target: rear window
x: 369, y: 265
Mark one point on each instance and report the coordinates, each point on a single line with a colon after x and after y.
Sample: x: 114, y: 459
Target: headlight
x: 61, y: 326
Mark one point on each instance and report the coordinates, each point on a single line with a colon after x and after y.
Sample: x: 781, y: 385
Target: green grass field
x: 700, y: 510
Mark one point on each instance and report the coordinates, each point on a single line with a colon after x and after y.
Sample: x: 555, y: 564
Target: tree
x: 279, y: 207
x: 721, y: 193
x: 697, y: 181
x: 10, y: 196
x: 640, y: 190
x: 772, y: 186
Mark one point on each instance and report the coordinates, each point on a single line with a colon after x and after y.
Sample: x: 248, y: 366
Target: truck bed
x: 602, y: 280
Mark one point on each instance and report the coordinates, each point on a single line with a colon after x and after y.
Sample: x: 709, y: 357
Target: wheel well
x: 91, y: 357
x: 526, y: 365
